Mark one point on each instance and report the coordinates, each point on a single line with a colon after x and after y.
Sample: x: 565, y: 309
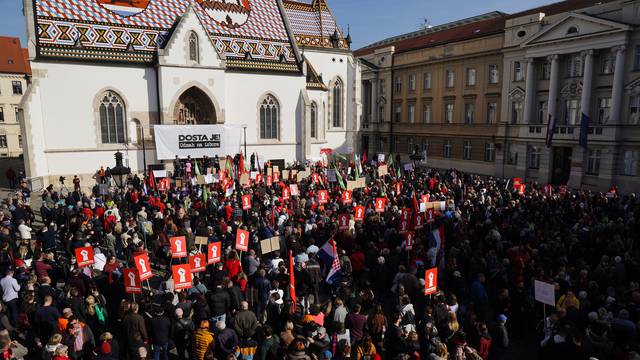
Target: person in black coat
x: 219, y: 302
x: 160, y: 326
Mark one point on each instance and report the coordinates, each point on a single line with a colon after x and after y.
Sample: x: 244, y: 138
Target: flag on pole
x: 584, y: 131
x: 357, y: 165
x: 292, y: 283
x: 197, y: 168
x: 329, y: 255
x: 339, y: 178
x: 551, y: 128
x: 364, y: 157
x: 340, y: 157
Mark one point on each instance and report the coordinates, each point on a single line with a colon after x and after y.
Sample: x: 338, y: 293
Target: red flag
x: 292, y: 283
x: 364, y: 157
x: 241, y: 164
x: 416, y: 206
x: 152, y: 180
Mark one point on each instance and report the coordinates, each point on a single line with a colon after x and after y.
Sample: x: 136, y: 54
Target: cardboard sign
x: 418, y: 221
x: 270, y: 245
x: 142, y: 264
x: 276, y: 177
x: 209, y: 179
x: 343, y: 221
x: 409, y: 240
x: 352, y: 185
x: 182, y: 278
x: 213, y: 253
x: 431, y: 281
x: 84, y: 256
x: 245, y: 179
x: 347, y: 197
x: 408, y: 167
x: 201, y: 240
x: 286, y: 193
x: 242, y: 240
x: 380, y: 202
x: 200, y: 180
x: 323, y: 197
x: 359, y: 213
x: 198, y: 263
x: 362, y: 183
x: 380, y: 157
x: 178, y: 247
x: 544, y: 292
x: 403, y: 227
x: 383, y: 170
x: 431, y: 216
x: 315, y: 177
x: 302, y: 175
x: 294, y: 190
x: 269, y: 180
x: 246, y: 202
x: 132, y: 282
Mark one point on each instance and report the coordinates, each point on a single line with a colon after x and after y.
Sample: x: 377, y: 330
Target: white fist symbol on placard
x: 242, y: 239
x: 132, y: 279
x: 182, y: 274
x: 196, y: 261
x: 178, y: 245
x: 214, y: 251
x: 431, y: 280
x: 143, y: 265
x: 85, y: 255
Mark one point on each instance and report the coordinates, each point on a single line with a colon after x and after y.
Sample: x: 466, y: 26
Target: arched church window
x: 269, y: 118
x: 193, y: 48
x: 112, y: 118
x: 337, y: 103
x: 314, y: 121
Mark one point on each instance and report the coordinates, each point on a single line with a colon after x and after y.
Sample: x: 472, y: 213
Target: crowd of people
x: 365, y: 301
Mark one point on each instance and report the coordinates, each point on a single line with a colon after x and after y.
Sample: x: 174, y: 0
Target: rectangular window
x: 630, y: 163
x: 16, y: 111
x: 471, y: 77
x: 412, y: 113
x: 571, y: 112
x: 20, y: 141
x: 494, y: 76
x: 608, y: 62
x: 517, y: 111
x: 489, y: 152
x: 518, y: 71
x: 574, y: 66
x: 17, y: 87
x: 542, y: 112
x: 512, y: 155
x: 545, y: 74
x: 398, y: 85
x: 447, y: 149
x: 412, y: 82
x: 427, y: 81
x: 426, y: 113
x: 492, y: 113
x: 466, y: 150
x: 1, y: 114
x: 448, y: 113
x: 593, y: 162
x: 3, y: 141
x: 451, y: 79
x: 634, y: 110
x: 397, y: 113
x: 604, y: 110
x: 534, y: 157
x: 469, y: 110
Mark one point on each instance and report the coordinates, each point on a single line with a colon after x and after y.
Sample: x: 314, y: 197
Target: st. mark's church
x: 107, y: 72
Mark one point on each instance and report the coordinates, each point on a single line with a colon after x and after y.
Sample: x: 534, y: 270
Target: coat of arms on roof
x: 230, y: 13
x: 125, y: 7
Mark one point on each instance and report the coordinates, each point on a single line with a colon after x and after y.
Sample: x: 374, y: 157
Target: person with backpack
x: 408, y: 322
x: 182, y: 331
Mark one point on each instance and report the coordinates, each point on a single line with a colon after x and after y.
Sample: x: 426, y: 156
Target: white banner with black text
x: 197, y: 140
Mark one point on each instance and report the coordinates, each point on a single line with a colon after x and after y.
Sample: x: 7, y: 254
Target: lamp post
x: 120, y: 172
x: 244, y: 127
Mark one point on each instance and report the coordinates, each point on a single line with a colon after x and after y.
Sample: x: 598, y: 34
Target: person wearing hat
x: 500, y: 341
x: 202, y: 342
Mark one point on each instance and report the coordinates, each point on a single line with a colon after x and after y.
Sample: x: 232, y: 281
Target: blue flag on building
x: 551, y: 128
x: 584, y: 130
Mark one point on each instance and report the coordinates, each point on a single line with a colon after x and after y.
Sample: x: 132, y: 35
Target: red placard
x: 403, y: 226
x: 242, y: 240
x: 323, y: 197
x: 84, y: 256
x: 164, y: 184
x: 380, y: 202
x: 398, y: 187
x: 431, y: 216
x: 563, y: 190
x: 246, y: 202
x: 431, y: 281
x: 294, y: 190
x: 132, y: 282
x: 315, y: 177
x: 213, y: 253
x: 406, y: 214
x: 182, y: 278
x: 276, y: 177
x: 343, y: 221
x: 418, y: 221
x: 359, y: 213
x: 347, y: 197
x: 269, y: 180
x: 286, y: 193
x: 259, y: 178
x: 142, y: 264
x: 178, y: 247
x: 198, y: 263
x: 409, y: 239
x: 521, y: 189
x: 516, y: 182
x: 425, y: 198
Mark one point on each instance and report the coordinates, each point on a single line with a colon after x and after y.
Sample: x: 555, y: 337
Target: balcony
x: 562, y: 132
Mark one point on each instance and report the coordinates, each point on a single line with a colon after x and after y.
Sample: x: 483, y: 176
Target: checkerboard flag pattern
x: 329, y: 255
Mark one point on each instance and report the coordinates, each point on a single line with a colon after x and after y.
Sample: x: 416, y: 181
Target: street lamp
x: 120, y: 172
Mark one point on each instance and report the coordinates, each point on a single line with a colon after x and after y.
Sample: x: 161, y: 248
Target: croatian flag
x: 329, y: 255
x: 438, y: 236
x: 551, y: 128
x: 584, y: 131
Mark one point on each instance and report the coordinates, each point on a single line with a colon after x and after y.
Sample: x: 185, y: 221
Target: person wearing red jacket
x: 233, y: 266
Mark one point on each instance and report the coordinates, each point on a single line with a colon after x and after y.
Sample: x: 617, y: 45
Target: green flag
x: 197, y: 170
x: 340, y: 157
x: 339, y: 178
x: 205, y: 193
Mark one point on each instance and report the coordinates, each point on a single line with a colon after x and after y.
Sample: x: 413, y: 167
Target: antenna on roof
x: 425, y: 24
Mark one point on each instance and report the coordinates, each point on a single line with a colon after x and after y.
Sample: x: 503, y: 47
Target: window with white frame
x: 194, y: 49
x: 494, y: 75
x: 630, y: 162
x: 512, y: 154
x: 3, y: 141
x: 471, y: 77
x: 17, y: 87
x: 489, y: 152
x: 534, y: 157
x: 593, y: 162
x: 542, y: 112
x: 604, y: 110
x: 269, y: 118
x: 608, y: 62
x: 469, y: 111
x: 313, y: 123
x: 448, y: 113
x: 466, y: 150
x: 412, y: 82
x: 398, y: 85
x: 112, y: 118
x: 426, y: 113
x: 545, y: 74
x: 492, y: 112
x: 634, y: 110
x: 397, y: 112
x: 518, y: 71
x: 572, y: 111
x: 450, y: 79
x: 412, y: 113
x: 427, y: 81
x: 447, y: 149
x: 574, y: 65
x: 517, y: 112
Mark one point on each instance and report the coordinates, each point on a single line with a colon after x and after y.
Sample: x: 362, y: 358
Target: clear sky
x: 369, y: 20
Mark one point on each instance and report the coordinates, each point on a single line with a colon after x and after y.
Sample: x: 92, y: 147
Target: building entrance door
x: 561, y: 165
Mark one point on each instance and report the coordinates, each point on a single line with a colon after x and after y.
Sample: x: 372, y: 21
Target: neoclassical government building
x: 105, y: 72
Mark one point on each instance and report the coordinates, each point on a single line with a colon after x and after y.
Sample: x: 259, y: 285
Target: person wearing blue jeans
x: 160, y: 326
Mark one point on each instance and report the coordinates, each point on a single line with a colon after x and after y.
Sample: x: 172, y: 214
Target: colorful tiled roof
x: 13, y: 58
x: 132, y: 30
x: 313, y: 24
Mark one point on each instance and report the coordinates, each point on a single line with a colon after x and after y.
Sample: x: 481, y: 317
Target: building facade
x: 14, y: 79
x: 575, y: 65
x: 106, y: 72
x: 437, y: 93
